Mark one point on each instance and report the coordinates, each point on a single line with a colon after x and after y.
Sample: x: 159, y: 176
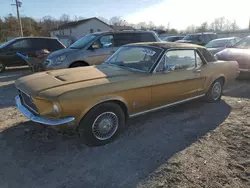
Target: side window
x: 38, y: 44
x: 53, y: 45
x: 105, y: 41
x: 208, y: 38
x: 123, y: 38
x: 21, y: 44
x: 145, y: 37
x: 176, y: 60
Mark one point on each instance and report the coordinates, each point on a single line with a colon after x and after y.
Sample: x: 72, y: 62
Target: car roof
x: 52, y: 38
x: 207, y: 33
x: 228, y: 38
x: 173, y: 36
x: 166, y: 45
x: 124, y: 31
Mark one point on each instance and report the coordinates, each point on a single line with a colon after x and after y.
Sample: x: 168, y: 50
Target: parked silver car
x: 95, y: 48
x: 220, y: 44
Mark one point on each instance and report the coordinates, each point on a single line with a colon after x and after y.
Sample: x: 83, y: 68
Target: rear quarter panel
x: 228, y: 70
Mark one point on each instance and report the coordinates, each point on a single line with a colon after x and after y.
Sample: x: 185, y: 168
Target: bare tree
x: 191, y: 29
x: 234, y: 25
x: 64, y: 18
x: 203, y: 27
x: 151, y: 25
x: 116, y: 21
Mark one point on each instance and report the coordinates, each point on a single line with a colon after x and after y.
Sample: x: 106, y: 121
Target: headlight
x: 60, y: 59
x: 56, y: 108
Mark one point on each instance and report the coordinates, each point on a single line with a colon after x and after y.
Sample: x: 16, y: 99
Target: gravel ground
x: 191, y: 145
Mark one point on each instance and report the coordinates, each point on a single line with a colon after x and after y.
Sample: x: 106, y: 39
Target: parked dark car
x: 172, y: 38
x: 199, y: 38
x: 217, y: 45
x: 240, y: 52
x: 27, y: 46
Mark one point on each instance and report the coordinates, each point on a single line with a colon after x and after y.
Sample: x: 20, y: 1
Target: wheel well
x: 222, y: 78
x: 119, y: 103
x: 79, y: 62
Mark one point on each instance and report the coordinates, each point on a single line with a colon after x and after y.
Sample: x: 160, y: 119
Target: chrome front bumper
x: 39, y: 119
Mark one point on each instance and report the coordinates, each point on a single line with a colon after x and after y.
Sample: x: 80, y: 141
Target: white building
x: 80, y: 28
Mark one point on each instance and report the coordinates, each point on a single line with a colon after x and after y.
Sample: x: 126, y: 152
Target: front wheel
x: 215, y: 92
x: 102, y: 124
x: 2, y: 67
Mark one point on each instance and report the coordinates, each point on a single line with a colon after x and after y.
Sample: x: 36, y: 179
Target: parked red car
x: 240, y: 52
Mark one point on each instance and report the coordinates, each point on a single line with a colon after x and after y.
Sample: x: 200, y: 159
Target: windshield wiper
x: 119, y: 63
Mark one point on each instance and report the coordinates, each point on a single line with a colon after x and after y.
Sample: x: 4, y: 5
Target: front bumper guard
x: 39, y: 119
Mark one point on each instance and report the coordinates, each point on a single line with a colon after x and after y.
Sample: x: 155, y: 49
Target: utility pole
x: 18, y: 5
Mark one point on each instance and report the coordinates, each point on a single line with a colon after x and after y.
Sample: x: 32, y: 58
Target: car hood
x: 65, y: 80
x: 242, y: 56
x: 61, y: 52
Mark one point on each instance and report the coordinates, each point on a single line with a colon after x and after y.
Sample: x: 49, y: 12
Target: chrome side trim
x: 165, y: 106
x: 39, y: 119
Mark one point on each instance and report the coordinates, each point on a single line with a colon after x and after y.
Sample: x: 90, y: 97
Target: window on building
x: 98, y: 30
x: 91, y: 30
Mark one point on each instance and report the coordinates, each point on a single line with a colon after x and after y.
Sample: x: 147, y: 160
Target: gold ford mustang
x: 137, y: 79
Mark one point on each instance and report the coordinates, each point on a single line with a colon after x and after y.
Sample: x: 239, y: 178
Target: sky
x: 178, y: 13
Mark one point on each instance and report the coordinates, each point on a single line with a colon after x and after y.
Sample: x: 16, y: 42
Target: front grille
x: 27, y: 101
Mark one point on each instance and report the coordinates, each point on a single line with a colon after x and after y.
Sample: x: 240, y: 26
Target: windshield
x: 7, y: 43
x: 217, y: 43
x: 244, y: 43
x: 191, y: 37
x: 139, y: 58
x: 82, y: 42
x: 169, y: 39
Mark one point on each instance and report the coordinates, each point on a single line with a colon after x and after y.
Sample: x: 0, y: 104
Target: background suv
x: 199, y: 38
x: 28, y: 46
x: 95, y: 48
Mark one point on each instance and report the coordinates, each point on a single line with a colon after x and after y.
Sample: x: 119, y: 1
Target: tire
x: 2, y: 67
x: 107, y: 116
x: 215, y: 92
x: 78, y: 64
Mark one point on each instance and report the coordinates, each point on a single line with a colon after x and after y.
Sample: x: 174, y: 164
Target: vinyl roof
x: 166, y: 45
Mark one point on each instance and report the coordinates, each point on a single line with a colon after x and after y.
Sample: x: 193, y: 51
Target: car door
x: 19, y: 46
x: 176, y: 78
x: 100, y: 50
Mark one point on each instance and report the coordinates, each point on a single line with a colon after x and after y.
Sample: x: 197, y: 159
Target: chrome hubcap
x: 216, y: 91
x: 1, y: 67
x: 105, y: 125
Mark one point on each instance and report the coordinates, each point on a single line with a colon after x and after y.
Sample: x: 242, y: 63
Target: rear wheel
x: 102, y: 124
x: 215, y: 92
x: 2, y: 67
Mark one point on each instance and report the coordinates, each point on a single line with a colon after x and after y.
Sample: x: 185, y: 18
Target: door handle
x: 197, y: 70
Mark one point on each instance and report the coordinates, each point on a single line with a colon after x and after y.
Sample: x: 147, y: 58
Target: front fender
x: 100, y: 101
